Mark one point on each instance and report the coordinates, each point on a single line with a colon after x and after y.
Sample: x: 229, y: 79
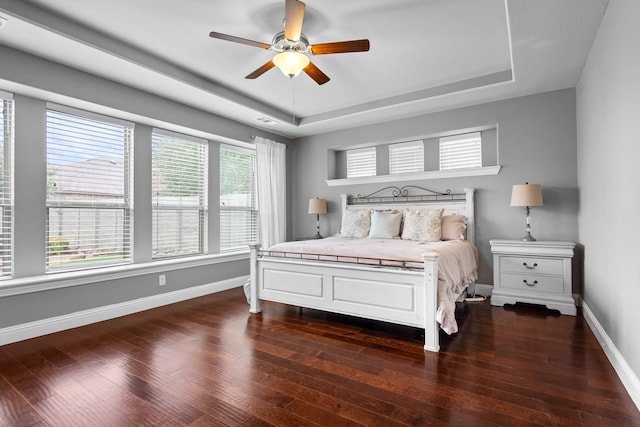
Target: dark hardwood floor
x: 208, y: 362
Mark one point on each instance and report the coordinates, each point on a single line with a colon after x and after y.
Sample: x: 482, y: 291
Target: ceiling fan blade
x: 260, y: 71
x: 340, y: 47
x: 293, y: 17
x: 238, y: 40
x: 315, y: 73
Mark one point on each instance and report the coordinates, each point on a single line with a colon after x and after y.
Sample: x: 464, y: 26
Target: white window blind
x: 461, y: 151
x: 238, y: 208
x: 88, y: 190
x: 179, y: 168
x: 406, y: 157
x: 6, y: 193
x: 361, y: 162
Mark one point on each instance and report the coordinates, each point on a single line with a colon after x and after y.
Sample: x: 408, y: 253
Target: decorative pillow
x: 422, y: 225
x: 385, y: 225
x: 453, y: 227
x: 356, y: 223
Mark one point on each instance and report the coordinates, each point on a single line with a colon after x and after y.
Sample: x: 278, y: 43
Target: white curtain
x: 272, y: 203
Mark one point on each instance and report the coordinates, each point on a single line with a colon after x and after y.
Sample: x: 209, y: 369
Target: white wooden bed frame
x: 398, y: 296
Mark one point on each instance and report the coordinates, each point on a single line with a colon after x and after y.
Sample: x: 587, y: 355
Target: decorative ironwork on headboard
x: 401, y: 195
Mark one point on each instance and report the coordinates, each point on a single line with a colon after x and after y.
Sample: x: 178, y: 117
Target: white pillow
x: 356, y: 223
x: 423, y: 225
x: 385, y: 225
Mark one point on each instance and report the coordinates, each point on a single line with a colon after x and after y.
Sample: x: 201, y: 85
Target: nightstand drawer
x: 532, y: 265
x: 532, y: 282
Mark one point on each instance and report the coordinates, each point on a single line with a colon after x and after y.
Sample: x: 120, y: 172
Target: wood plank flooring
x: 208, y: 362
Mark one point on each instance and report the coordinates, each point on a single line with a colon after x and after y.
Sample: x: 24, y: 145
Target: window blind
x: 406, y: 157
x: 88, y: 190
x: 6, y: 192
x: 179, y: 185
x: 361, y: 162
x: 461, y: 151
x: 238, y: 207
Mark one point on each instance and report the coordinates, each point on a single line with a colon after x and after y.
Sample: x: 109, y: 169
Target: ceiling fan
x: 292, y: 46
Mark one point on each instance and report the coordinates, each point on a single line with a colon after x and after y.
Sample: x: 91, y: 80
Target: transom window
x: 461, y: 151
x: 88, y: 189
x: 179, y: 180
x: 406, y: 157
x: 361, y: 162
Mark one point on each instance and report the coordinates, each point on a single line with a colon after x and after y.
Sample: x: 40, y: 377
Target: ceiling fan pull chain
x: 293, y: 102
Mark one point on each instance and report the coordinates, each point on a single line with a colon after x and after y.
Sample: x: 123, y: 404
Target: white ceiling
x: 425, y: 56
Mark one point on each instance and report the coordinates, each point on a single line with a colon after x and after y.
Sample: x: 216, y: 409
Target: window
x: 361, y: 162
x: 461, y: 151
x: 6, y: 178
x: 179, y: 179
x: 406, y: 157
x: 238, y: 208
x: 88, y: 190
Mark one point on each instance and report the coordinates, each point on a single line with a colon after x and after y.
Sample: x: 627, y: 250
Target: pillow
x: 422, y: 225
x: 385, y: 225
x: 453, y: 227
x: 356, y: 223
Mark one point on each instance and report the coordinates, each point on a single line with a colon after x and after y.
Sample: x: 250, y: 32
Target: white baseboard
x: 625, y: 373
x: 81, y: 318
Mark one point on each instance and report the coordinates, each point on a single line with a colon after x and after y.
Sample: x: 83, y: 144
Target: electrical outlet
x: 162, y: 280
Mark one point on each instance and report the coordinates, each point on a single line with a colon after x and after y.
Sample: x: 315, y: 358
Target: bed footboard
x: 396, y: 296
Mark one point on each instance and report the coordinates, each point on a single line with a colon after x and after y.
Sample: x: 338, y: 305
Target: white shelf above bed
x: 383, y: 179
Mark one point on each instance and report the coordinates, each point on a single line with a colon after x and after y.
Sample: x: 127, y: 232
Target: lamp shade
x: 291, y: 63
x: 317, y: 206
x: 526, y: 195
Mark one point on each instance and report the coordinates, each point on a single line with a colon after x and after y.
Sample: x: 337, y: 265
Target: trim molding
x: 81, y: 318
x: 65, y: 279
x: 629, y: 379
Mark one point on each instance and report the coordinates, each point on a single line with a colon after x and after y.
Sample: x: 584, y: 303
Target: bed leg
x: 431, y: 329
x: 254, y: 304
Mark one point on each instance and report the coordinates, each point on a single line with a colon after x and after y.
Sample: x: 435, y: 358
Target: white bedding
x: 457, y: 262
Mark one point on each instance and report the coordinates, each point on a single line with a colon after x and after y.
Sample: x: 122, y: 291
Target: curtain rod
x: 283, y: 143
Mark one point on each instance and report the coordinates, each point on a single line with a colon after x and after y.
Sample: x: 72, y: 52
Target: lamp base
x: 528, y: 238
x: 318, y: 236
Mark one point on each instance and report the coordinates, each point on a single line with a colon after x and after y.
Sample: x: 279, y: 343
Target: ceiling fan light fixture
x: 290, y: 62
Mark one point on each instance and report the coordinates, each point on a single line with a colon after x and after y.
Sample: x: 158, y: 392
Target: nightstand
x: 533, y: 272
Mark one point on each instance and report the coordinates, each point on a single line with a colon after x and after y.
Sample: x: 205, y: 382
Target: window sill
x: 57, y: 280
x: 487, y: 170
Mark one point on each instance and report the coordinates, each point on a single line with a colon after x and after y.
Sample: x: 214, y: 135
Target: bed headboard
x: 411, y: 196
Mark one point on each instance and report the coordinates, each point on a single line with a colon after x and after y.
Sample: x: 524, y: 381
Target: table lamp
x: 527, y: 195
x: 317, y: 207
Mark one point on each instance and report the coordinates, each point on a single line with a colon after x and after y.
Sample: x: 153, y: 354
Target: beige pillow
x: 422, y: 225
x: 453, y: 227
x: 356, y: 223
x: 385, y: 225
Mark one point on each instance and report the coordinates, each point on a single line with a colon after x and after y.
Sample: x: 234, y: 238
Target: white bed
x: 408, y: 283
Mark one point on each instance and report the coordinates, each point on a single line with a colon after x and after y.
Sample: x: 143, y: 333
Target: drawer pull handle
x: 535, y: 282
x: 530, y: 267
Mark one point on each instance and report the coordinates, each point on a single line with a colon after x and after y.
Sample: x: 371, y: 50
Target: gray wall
x: 536, y: 143
x: 36, y: 81
x: 608, y: 109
